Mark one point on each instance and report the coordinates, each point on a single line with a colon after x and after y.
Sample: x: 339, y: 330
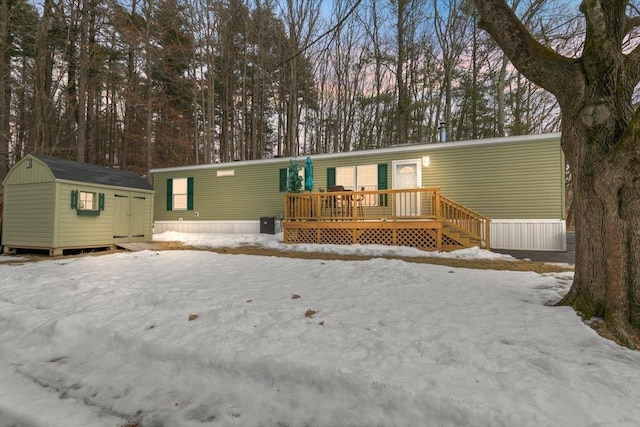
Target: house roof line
x: 395, y: 149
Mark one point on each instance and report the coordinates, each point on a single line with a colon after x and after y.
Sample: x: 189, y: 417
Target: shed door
x: 137, y: 217
x: 121, y: 218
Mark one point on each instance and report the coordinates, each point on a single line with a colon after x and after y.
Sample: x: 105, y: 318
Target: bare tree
x: 300, y: 18
x: 451, y: 35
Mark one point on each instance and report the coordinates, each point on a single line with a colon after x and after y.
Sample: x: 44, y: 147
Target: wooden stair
x: 457, y: 238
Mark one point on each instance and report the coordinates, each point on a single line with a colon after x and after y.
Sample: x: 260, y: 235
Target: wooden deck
x: 421, y: 218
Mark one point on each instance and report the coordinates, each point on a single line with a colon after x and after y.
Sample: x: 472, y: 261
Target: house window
x: 87, y: 201
x: 180, y: 194
x: 358, y: 177
x: 370, y: 177
x: 284, y: 176
x: 346, y: 176
x: 367, y: 177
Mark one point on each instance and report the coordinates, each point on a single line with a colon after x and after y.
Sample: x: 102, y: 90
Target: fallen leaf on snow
x: 192, y: 317
x: 295, y: 296
x: 310, y: 313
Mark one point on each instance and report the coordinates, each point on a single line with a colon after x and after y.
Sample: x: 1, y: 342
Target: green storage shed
x: 58, y: 205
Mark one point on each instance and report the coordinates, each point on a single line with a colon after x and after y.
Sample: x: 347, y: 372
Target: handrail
x: 476, y: 225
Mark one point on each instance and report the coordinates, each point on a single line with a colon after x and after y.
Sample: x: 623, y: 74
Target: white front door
x: 407, y: 174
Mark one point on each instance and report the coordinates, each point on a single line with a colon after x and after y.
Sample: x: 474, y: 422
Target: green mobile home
x: 56, y: 205
x: 517, y: 182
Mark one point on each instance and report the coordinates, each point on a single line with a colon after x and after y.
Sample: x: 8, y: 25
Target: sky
x: 197, y: 338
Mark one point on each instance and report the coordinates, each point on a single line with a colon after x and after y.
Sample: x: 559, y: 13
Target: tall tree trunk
x: 606, y: 190
x: 601, y: 140
x: 401, y: 131
x: 43, y: 64
x: 292, y: 110
x: 83, y: 64
x: 129, y: 103
x: 148, y: 158
x: 500, y: 97
x: 5, y: 87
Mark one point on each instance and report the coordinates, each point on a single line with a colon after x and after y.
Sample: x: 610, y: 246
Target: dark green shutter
x: 169, y: 194
x: 283, y: 179
x: 383, y: 183
x: 331, y: 177
x: 101, y: 201
x: 190, y: 194
x: 74, y: 199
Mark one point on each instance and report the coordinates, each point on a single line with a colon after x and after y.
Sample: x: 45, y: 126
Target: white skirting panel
x: 529, y: 234
x: 231, y: 227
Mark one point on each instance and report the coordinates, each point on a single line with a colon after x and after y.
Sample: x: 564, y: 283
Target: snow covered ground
x: 194, y: 338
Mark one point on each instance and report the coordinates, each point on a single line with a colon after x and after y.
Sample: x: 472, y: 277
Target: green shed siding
x: 28, y: 214
x: 507, y: 178
x: 20, y: 174
x: 75, y: 230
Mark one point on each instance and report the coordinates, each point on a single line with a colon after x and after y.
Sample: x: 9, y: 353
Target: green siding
x: 76, y: 230
x: 252, y: 192
x: 38, y: 173
x: 513, y: 179
x: 28, y: 215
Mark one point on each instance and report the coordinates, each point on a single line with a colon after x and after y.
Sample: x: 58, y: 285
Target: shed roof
x: 83, y: 172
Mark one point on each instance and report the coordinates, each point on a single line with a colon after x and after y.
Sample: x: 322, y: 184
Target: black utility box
x: 268, y: 225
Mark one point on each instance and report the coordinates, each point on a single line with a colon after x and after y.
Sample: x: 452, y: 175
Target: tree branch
x: 333, y: 30
x: 632, y: 23
x: 541, y: 65
x: 632, y: 65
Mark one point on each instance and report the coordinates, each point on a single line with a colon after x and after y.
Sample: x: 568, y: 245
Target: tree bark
x: 601, y: 141
x: 5, y: 87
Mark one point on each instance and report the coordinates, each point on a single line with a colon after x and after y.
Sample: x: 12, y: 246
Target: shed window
x: 87, y: 201
x: 180, y: 194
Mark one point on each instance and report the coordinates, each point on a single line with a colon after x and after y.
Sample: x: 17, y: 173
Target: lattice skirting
x: 425, y: 235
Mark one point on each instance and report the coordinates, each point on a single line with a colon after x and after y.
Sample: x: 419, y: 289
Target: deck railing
x: 463, y: 218
x: 386, y: 205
